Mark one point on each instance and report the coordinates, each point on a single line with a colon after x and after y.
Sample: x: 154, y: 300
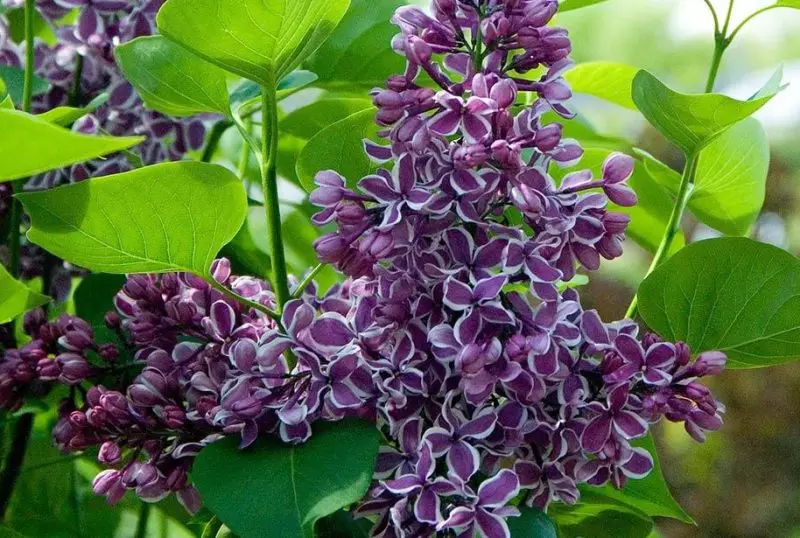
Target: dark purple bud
x: 112, y: 320
x: 616, y: 223
x: 711, y: 362
x: 139, y: 474
x: 504, y: 92
x: 109, y: 453
x: 617, y: 168
x: 173, y: 416
x: 330, y: 248
x: 621, y: 195
x: 418, y: 51
x: 48, y: 370
x: 74, y: 368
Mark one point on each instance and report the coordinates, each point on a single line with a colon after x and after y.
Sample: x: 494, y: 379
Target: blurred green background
x: 745, y: 480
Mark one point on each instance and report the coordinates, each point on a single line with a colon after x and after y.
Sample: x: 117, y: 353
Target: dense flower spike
x: 80, y: 66
x: 455, y: 333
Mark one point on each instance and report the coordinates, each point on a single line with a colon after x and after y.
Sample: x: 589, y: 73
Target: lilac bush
x: 81, y: 66
x: 456, y: 331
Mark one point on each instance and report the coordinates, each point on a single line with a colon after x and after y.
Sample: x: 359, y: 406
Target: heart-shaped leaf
x: 171, y: 79
x: 162, y: 218
x: 734, y: 295
x: 339, y: 147
x: 259, y: 40
x: 532, y: 523
x: 650, y: 495
x: 606, y: 80
x: 16, y: 298
x: 355, y: 56
x: 31, y: 145
x: 691, y: 122
x: 273, y: 489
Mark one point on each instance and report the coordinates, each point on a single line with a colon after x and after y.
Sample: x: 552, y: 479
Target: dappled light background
x: 745, y: 480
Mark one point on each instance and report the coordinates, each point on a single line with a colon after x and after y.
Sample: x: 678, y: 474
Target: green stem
x: 306, y: 281
x: 721, y: 44
x: 141, y: 524
x: 673, y: 225
x: 750, y: 18
x: 713, y: 14
x: 14, y: 460
x: 269, y: 185
x: 244, y: 156
x: 728, y: 17
x: 75, y: 91
x: 247, y: 302
x: 212, y: 528
x: 27, y: 89
x: 214, y: 137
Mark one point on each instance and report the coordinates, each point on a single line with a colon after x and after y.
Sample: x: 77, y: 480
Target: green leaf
x: 162, y: 218
x: 569, y: 5
x: 606, y: 80
x: 5, y: 532
x: 67, y: 115
x: 308, y: 121
x: 691, y: 122
x: 172, y: 80
x: 794, y: 4
x: 339, y: 147
x: 730, y: 181
x: 341, y: 524
x: 731, y: 294
x: 532, y: 523
x: 259, y: 40
x: 731, y: 178
x: 357, y: 54
x: 649, y: 495
x: 30, y: 145
x: 600, y: 520
x: 16, y: 298
x: 94, y: 298
x: 14, y: 79
x: 274, y: 489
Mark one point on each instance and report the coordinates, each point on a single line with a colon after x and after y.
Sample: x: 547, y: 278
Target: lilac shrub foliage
x: 455, y: 332
x: 81, y: 66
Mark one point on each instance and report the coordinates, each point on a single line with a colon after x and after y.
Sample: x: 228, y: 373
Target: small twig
x: 141, y: 524
x: 213, y: 139
x: 307, y: 280
x: 247, y: 302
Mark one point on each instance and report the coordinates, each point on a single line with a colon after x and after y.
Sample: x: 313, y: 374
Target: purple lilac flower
x: 450, y: 333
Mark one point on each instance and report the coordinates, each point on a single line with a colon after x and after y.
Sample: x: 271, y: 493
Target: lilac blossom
x: 451, y: 332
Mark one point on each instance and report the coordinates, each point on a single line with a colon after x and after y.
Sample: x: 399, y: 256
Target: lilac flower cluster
x: 455, y: 332
x: 80, y: 66
x: 59, y: 351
